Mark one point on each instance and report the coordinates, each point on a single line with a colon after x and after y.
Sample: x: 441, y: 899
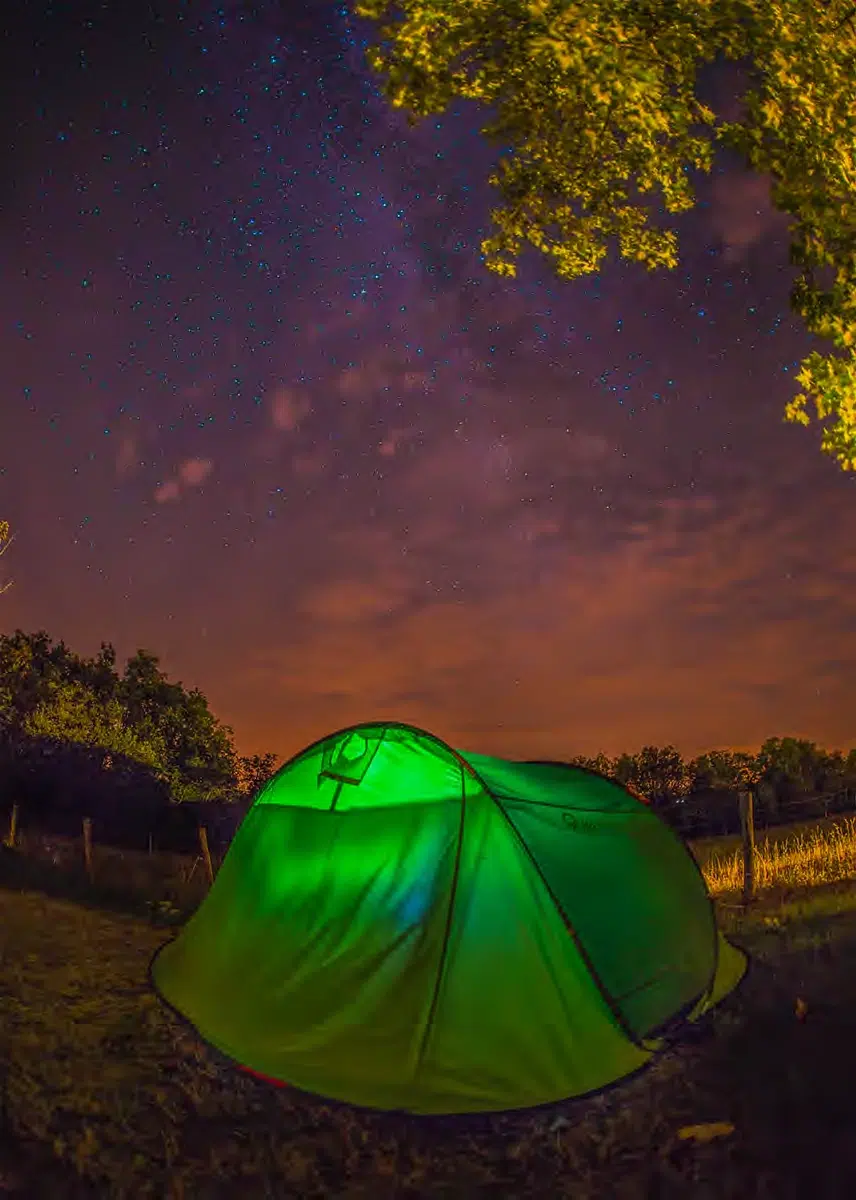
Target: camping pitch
x: 403, y: 926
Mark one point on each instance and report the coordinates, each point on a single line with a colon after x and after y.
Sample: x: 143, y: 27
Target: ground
x: 104, y: 1093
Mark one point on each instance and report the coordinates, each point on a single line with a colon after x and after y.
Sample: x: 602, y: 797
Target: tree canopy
x: 593, y: 105
x: 54, y: 696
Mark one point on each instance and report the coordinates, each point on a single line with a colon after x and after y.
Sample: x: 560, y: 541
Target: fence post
x: 206, y: 853
x: 13, y: 827
x: 87, y: 848
x: 747, y: 830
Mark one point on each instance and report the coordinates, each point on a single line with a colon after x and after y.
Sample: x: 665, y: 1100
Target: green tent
x: 403, y: 926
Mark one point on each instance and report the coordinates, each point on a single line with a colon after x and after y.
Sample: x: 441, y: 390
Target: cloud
x: 742, y: 213
x: 684, y: 631
x: 289, y: 408
x: 355, y: 601
x: 166, y: 492
x: 126, y: 456
x: 486, y: 472
x: 191, y: 473
x: 358, y: 381
x: 310, y: 466
x: 390, y: 445
x: 201, y: 389
x: 194, y: 471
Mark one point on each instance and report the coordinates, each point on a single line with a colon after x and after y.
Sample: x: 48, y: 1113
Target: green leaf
x: 594, y: 106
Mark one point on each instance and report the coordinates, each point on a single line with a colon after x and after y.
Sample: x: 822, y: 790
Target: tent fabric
x: 402, y: 926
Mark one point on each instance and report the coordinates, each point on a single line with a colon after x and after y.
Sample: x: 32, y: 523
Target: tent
x: 403, y: 926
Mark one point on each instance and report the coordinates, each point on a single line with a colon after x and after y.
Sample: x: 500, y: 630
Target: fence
x: 718, y: 814
x: 154, y: 876
x: 187, y: 874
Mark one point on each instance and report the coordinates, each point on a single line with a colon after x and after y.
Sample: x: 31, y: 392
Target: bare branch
x: 6, y: 540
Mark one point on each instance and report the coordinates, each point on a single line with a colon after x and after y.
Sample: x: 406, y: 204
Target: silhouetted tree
x: 254, y: 771
x: 658, y: 773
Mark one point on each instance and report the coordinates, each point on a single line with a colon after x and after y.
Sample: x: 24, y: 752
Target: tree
x: 49, y: 692
x: 798, y: 767
x: 6, y: 539
x: 593, y: 106
x: 199, y: 753
x: 600, y: 764
x: 29, y: 664
x: 657, y: 773
x: 850, y: 768
x: 724, y: 770
x: 254, y: 771
x: 72, y: 712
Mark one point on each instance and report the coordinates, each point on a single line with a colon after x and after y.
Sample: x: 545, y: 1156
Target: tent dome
x: 403, y: 926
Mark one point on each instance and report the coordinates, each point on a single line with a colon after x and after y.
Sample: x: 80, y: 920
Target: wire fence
x: 719, y: 816
x: 170, y: 870
x: 167, y: 871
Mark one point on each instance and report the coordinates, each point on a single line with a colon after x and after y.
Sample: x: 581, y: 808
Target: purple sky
x: 266, y: 413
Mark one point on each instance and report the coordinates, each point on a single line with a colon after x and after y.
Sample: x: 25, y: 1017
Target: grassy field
x: 787, y: 857
x: 799, y: 855
x: 722, y: 847
x: 104, y: 1093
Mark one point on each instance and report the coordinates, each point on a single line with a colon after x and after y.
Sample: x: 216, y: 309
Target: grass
x: 725, y: 844
x: 806, y: 856
x: 105, y: 1093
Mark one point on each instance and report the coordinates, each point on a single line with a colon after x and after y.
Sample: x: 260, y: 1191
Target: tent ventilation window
x: 348, y: 759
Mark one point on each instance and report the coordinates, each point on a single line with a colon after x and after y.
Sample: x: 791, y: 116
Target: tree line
x: 700, y: 793
x: 127, y: 747
x: 80, y: 736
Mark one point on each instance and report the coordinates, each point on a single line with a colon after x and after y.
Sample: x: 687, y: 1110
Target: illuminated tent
x: 403, y: 926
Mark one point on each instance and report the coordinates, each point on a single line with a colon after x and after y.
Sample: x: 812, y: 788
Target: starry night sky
x: 266, y: 413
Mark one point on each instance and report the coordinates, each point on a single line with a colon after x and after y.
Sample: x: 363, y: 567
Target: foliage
x: 822, y: 854
x: 74, y: 713
x: 29, y: 664
x: 797, y: 765
x: 52, y: 698
x: 601, y: 763
x: 593, y: 108
x: 724, y: 769
x: 657, y: 773
x: 254, y: 771
x: 198, y: 751
x: 52, y: 695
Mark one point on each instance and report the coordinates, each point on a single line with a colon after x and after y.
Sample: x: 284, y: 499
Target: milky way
x: 267, y: 414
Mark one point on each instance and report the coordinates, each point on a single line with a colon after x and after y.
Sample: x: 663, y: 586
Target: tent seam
x: 447, y: 933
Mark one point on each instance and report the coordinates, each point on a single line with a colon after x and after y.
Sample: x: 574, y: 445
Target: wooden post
x: 87, y: 847
x: 13, y: 827
x: 206, y: 853
x: 747, y: 829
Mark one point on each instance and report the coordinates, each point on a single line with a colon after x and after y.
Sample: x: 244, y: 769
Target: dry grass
x: 120, y: 1100
x: 103, y: 1092
x: 809, y: 858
